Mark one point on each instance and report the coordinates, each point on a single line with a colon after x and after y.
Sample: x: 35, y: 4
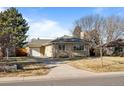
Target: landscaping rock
x: 19, y: 66
x: 8, y: 68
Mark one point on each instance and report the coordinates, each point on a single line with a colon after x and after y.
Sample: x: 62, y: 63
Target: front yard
x: 110, y: 64
x: 29, y: 67
x: 29, y: 70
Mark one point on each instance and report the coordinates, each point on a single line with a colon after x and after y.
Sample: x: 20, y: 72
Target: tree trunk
x: 101, y: 56
x: 7, y: 53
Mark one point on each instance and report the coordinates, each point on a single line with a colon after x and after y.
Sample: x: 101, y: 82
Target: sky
x: 53, y: 22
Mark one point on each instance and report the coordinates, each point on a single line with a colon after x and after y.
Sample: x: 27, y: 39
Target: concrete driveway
x: 63, y: 74
x: 66, y: 71
x: 58, y: 71
x: 62, y: 70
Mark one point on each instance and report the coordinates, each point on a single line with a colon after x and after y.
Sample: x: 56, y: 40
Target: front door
x: 92, y: 52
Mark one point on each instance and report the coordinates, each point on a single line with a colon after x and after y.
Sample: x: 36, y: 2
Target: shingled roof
x: 64, y: 39
x: 68, y: 39
x: 39, y: 42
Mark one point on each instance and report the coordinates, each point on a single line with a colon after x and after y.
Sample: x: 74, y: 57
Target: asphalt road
x: 117, y: 80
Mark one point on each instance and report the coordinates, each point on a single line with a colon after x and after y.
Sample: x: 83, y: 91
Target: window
x: 119, y: 49
x: 82, y: 47
x: 78, y: 47
x: 61, y: 47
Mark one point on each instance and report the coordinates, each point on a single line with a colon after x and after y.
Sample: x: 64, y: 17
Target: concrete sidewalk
x: 61, y: 71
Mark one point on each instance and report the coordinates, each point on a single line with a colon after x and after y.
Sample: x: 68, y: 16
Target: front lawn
x: 110, y: 64
x: 29, y: 67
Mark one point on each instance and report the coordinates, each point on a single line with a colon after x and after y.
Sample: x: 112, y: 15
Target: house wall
x: 48, y: 51
x: 42, y: 50
x: 53, y: 51
x: 69, y: 50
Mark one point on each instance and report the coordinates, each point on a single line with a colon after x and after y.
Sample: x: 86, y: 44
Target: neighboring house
x: 61, y: 47
x: 115, y: 47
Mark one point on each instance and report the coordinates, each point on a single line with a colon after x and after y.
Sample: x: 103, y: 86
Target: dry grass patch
x: 110, y: 64
x: 29, y: 70
x: 24, y: 73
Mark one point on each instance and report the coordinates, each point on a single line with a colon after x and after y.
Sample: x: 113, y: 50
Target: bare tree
x: 95, y: 28
x: 101, y: 28
x: 115, y: 28
x: 87, y: 23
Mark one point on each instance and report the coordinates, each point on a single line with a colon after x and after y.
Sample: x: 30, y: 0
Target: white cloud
x: 46, y: 29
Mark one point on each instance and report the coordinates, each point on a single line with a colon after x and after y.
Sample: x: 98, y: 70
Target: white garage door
x: 35, y: 52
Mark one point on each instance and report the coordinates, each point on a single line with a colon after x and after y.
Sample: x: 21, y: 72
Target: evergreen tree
x: 13, y: 29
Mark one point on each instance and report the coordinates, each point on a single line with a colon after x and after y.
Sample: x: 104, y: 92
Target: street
x: 104, y: 80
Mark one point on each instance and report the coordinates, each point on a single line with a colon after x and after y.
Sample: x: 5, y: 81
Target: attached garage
x: 35, y: 52
x: 40, y: 48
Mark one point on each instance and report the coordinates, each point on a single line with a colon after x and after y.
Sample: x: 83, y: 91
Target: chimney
x: 77, y: 32
x: 82, y: 35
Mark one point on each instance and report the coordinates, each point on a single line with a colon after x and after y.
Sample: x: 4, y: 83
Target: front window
x: 78, y: 47
x: 61, y: 47
x: 118, y: 49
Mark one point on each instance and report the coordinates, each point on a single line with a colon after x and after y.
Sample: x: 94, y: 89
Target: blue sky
x: 55, y: 22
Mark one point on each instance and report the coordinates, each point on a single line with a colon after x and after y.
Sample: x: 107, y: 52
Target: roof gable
x: 39, y: 42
